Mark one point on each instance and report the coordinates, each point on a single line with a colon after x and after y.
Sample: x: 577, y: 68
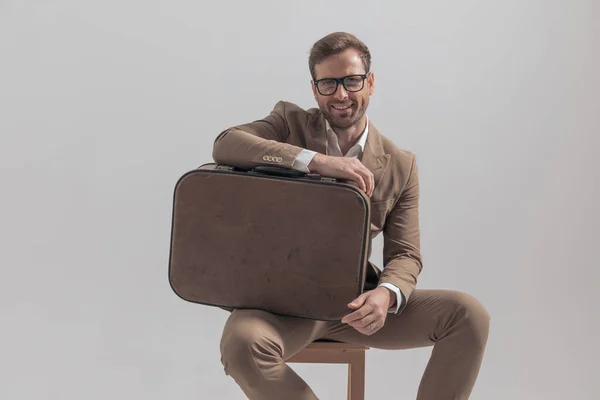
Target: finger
x: 370, y: 327
x: 355, y: 304
x: 373, y: 316
x: 359, y: 301
x: 368, y: 179
x: 370, y: 321
x: 357, y: 315
x: 367, y: 330
x: 368, y: 314
x: 360, y: 181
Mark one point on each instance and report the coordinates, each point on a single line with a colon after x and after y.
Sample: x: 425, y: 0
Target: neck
x: 349, y: 136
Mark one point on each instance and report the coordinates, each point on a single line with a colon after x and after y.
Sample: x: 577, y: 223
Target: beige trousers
x: 255, y: 345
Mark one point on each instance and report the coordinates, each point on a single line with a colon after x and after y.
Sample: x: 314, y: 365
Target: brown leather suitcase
x: 269, y: 238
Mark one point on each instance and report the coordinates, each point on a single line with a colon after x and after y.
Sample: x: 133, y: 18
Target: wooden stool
x: 329, y: 352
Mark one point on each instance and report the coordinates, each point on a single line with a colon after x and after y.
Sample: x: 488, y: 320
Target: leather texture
x: 295, y: 246
x: 280, y: 136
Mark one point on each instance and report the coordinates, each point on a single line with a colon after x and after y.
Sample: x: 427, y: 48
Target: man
x: 338, y: 140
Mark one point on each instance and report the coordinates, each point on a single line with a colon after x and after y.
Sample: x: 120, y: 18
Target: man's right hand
x: 343, y: 168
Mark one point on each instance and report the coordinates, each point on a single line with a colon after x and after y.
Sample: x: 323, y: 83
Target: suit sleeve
x: 261, y: 142
x: 401, y: 239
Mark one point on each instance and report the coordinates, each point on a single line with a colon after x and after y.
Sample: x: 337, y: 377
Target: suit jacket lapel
x: 316, y: 140
x: 374, y: 156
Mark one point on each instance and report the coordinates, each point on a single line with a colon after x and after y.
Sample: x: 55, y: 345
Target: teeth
x: 341, y: 108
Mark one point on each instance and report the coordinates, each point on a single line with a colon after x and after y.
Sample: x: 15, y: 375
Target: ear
x: 314, y: 89
x: 371, y: 82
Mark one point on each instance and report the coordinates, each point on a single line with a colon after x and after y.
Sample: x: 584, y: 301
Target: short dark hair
x: 335, y: 43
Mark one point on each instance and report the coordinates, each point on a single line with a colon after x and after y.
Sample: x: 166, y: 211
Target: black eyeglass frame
x: 339, y: 81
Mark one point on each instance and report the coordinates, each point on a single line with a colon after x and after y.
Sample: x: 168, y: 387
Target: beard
x: 345, y: 120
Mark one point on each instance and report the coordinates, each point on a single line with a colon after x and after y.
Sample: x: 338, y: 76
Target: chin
x: 337, y: 123
x: 344, y: 123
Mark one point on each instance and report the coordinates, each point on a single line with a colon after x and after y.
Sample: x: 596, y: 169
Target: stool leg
x: 356, y: 376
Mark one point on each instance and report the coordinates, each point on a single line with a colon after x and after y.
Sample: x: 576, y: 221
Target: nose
x: 340, y: 93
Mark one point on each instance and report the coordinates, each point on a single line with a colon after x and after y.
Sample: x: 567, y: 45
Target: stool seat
x: 333, y: 352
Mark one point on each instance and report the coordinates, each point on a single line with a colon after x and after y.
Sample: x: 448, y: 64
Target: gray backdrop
x: 105, y: 104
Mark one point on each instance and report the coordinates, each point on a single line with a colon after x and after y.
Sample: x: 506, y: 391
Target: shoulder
x: 402, y: 167
x: 401, y: 157
x: 293, y: 112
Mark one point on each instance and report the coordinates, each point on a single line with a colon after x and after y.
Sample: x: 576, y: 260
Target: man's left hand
x: 371, y: 310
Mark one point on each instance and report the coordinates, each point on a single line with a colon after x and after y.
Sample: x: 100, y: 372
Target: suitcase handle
x: 277, y: 171
x: 288, y: 172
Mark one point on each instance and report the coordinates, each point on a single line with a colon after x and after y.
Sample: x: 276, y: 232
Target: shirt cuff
x: 303, y: 159
x: 394, y: 289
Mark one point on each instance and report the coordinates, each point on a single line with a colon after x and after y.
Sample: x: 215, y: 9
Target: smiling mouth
x: 341, y: 108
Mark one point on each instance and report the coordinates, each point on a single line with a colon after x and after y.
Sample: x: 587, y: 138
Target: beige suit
x: 256, y: 344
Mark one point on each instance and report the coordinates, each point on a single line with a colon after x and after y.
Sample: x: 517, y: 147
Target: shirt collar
x: 361, y: 141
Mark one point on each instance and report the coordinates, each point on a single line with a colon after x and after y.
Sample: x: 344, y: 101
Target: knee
x: 473, y: 316
x: 244, y: 342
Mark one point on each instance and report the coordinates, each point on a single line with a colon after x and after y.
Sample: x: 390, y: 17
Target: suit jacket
x: 279, y: 137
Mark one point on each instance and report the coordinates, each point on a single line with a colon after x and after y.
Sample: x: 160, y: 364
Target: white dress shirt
x: 333, y: 149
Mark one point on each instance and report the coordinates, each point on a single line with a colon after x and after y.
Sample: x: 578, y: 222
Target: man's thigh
x: 426, y: 318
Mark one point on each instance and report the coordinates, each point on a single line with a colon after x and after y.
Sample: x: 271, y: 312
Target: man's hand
x: 371, y: 310
x: 343, y: 168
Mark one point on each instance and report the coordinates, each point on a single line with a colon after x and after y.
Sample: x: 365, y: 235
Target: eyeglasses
x: 352, y: 83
